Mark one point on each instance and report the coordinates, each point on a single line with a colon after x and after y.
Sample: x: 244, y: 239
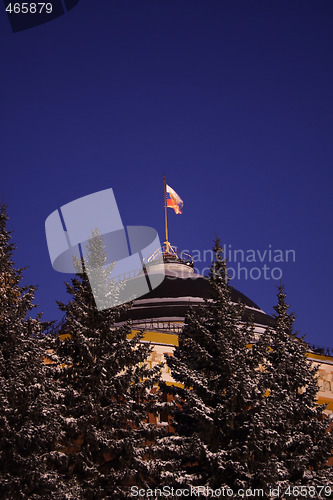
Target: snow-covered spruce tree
x: 296, y: 431
x: 107, y: 387
x: 214, y: 442
x: 28, y: 416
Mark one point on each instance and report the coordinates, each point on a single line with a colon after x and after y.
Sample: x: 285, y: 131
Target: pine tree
x: 214, y: 442
x: 245, y: 415
x: 28, y: 410
x: 108, y: 388
x: 297, y: 434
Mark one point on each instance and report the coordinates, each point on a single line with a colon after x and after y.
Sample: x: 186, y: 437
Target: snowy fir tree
x: 296, y: 432
x: 220, y: 391
x: 108, y: 389
x: 244, y: 413
x: 29, y: 424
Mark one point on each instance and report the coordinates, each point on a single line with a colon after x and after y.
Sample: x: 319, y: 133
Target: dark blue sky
x: 232, y: 100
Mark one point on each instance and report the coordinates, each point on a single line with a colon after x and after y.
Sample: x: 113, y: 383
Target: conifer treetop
x: 29, y: 423
x: 215, y: 366
x: 107, y: 386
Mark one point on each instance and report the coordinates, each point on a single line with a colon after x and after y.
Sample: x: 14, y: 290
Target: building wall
x: 164, y: 344
x: 325, y: 379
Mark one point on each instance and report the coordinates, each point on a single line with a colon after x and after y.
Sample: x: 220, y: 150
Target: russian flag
x: 174, y: 200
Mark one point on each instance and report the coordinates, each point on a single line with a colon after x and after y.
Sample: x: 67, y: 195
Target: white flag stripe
x: 174, y: 195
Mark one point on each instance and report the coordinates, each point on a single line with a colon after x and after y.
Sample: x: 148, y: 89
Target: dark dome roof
x: 198, y: 286
x: 171, y: 299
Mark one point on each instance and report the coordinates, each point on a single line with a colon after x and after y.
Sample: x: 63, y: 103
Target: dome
x: 165, y: 307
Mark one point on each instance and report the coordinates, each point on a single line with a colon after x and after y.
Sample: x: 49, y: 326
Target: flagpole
x: 165, y: 217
